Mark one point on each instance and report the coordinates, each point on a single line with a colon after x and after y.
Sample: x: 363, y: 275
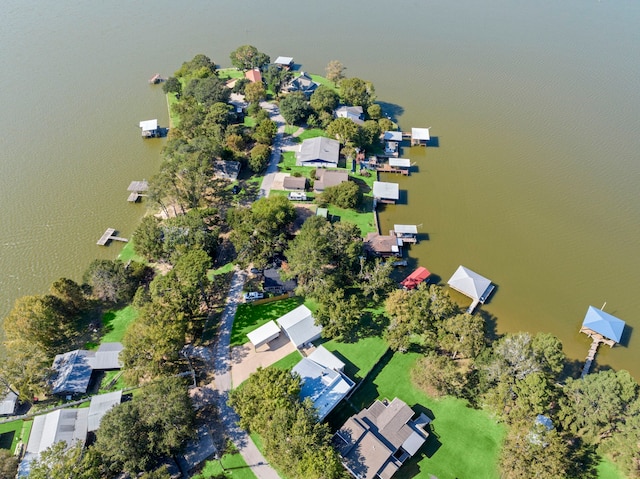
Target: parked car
x: 253, y: 295
x: 297, y: 196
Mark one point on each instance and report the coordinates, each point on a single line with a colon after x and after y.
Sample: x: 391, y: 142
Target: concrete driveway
x: 246, y: 359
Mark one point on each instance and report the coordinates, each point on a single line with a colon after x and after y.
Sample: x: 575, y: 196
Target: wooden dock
x: 108, y: 236
x: 136, y: 187
x: 596, y: 340
x: 388, y: 169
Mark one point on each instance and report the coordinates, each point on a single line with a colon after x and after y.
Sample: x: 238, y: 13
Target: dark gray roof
x: 272, y: 279
x: 327, y: 178
x: 74, y: 372
x: 294, y: 183
x: 320, y: 151
x: 226, y: 169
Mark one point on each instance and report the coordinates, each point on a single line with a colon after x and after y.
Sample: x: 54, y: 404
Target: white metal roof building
x: 300, y: 326
x: 392, y: 136
x: 99, y: 406
x: 386, y: 191
x: 284, y: 61
x: 149, y: 125
x: 324, y: 357
x: 406, y: 229
x: 324, y: 385
x: 400, y: 162
x: 471, y: 284
x: 420, y: 135
x: 264, y: 334
x: 107, y: 357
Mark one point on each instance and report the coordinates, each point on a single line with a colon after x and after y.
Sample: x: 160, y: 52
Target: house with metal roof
x: 299, y: 326
x: 322, y: 380
x: 354, y: 113
x: 150, y: 128
x: 376, y: 442
x: 384, y: 192
x: 319, y: 152
x: 284, y: 62
x: 73, y: 372
x: 8, y: 404
x: 471, y: 284
x: 107, y: 357
x: 264, y: 334
x: 100, y: 405
x: 605, y: 324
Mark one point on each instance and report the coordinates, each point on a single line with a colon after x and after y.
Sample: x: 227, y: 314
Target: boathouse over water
x: 471, y: 284
x: 150, y: 128
x: 601, y: 327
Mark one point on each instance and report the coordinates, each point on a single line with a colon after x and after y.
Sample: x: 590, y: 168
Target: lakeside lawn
x: 289, y: 361
x: 359, y: 357
x: 234, y: 466
x: 115, y: 323
x: 128, y: 253
x: 463, y: 443
x: 251, y: 316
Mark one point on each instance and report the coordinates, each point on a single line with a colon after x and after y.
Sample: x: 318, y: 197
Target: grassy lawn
x: 323, y: 81
x: 234, y: 466
x: 288, y: 362
x: 227, y: 268
x: 128, y: 253
x: 12, y: 432
x: 363, y: 217
x: 359, y: 357
x: 250, y: 316
x: 312, y: 133
x: 464, y: 442
x: 230, y: 73
x: 174, y: 120
x: 110, y: 377
x: 115, y: 324
x: 288, y: 165
x: 607, y: 470
x: 290, y: 129
x: 249, y: 121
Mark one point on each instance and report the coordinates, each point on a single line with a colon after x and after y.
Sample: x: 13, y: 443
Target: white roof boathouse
x: 471, y: 284
x: 386, y: 192
x: 150, y: 128
x: 420, y: 136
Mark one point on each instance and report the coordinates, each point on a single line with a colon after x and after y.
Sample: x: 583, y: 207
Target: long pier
x: 110, y: 235
x: 596, y: 340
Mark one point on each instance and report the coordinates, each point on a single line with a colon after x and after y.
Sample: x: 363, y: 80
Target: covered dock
x: 406, y: 233
x: 471, y: 284
x: 150, y: 128
x: 601, y: 327
x: 136, y: 189
x: 396, y: 165
x: 386, y: 192
x: 420, y: 136
x: 415, y: 278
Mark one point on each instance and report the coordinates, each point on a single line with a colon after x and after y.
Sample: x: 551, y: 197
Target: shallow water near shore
x: 536, y: 110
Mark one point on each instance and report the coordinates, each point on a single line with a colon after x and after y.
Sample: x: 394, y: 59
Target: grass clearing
x: 608, y: 470
x: 312, y: 133
x: 359, y: 357
x: 115, y: 323
x: 174, y: 119
x: 362, y: 217
x: 234, y: 466
x: 289, y: 361
x: 227, y: 268
x: 128, y: 253
x: 10, y: 434
x: 250, y: 316
x: 464, y: 442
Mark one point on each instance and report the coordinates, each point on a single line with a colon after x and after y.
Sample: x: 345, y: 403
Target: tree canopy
x: 246, y: 57
x: 294, y: 108
x: 357, y: 92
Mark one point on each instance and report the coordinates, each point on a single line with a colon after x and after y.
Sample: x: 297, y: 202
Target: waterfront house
x: 354, y: 113
x: 376, y: 442
x: 391, y: 141
x: 471, y: 284
x: 319, y: 152
x: 386, y: 192
x: 322, y: 380
x: 383, y: 246
x: 302, y: 83
x: 327, y: 178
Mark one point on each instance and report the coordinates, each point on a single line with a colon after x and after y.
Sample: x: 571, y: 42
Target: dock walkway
x: 110, y: 235
x: 596, y: 340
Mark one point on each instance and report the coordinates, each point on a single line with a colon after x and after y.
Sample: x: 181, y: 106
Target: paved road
x: 252, y: 456
x: 278, y: 146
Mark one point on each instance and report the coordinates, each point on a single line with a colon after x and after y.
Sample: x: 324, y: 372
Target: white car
x: 252, y: 296
x: 295, y: 196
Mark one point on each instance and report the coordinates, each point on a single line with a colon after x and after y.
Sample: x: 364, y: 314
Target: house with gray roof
x: 326, y: 178
x: 294, y: 183
x: 228, y: 170
x: 378, y: 440
x: 322, y: 380
x: 107, y: 357
x: 319, y: 152
x: 354, y: 113
x: 8, y: 404
x: 302, y: 83
x: 273, y: 282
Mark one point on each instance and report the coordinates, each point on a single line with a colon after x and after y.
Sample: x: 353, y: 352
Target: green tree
x: 346, y: 195
x: 26, y: 368
x: 259, y: 157
x: 58, y: 462
x: 265, y: 131
x: 340, y: 316
x: 255, y: 92
x: 369, y: 134
x: 376, y: 279
x: 41, y: 320
x: 344, y: 130
x: 247, y: 57
x: 462, y: 335
x: 148, y: 238
x: 8, y: 464
x: 622, y: 446
x: 172, y: 85
x: 374, y: 111
x: 335, y: 71
x: 357, y: 92
x: 158, y: 422
x: 201, y: 66
x: 438, y: 376
x: 70, y: 293
x: 110, y: 281
x: 294, y: 108
x: 324, y: 99
x: 259, y: 232
x: 275, y: 77
x: 207, y: 91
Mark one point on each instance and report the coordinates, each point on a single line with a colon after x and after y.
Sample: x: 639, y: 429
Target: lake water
x: 535, y: 105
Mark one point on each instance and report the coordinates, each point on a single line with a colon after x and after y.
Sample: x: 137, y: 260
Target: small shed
x: 150, y: 128
x: 294, y: 183
x: 264, y: 334
x: 471, y: 284
x: 420, y: 136
x: 386, y: 192
x: 300, y: 326
x: 324, y: 212
x: 602, y: 323
x: 415, y: 278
